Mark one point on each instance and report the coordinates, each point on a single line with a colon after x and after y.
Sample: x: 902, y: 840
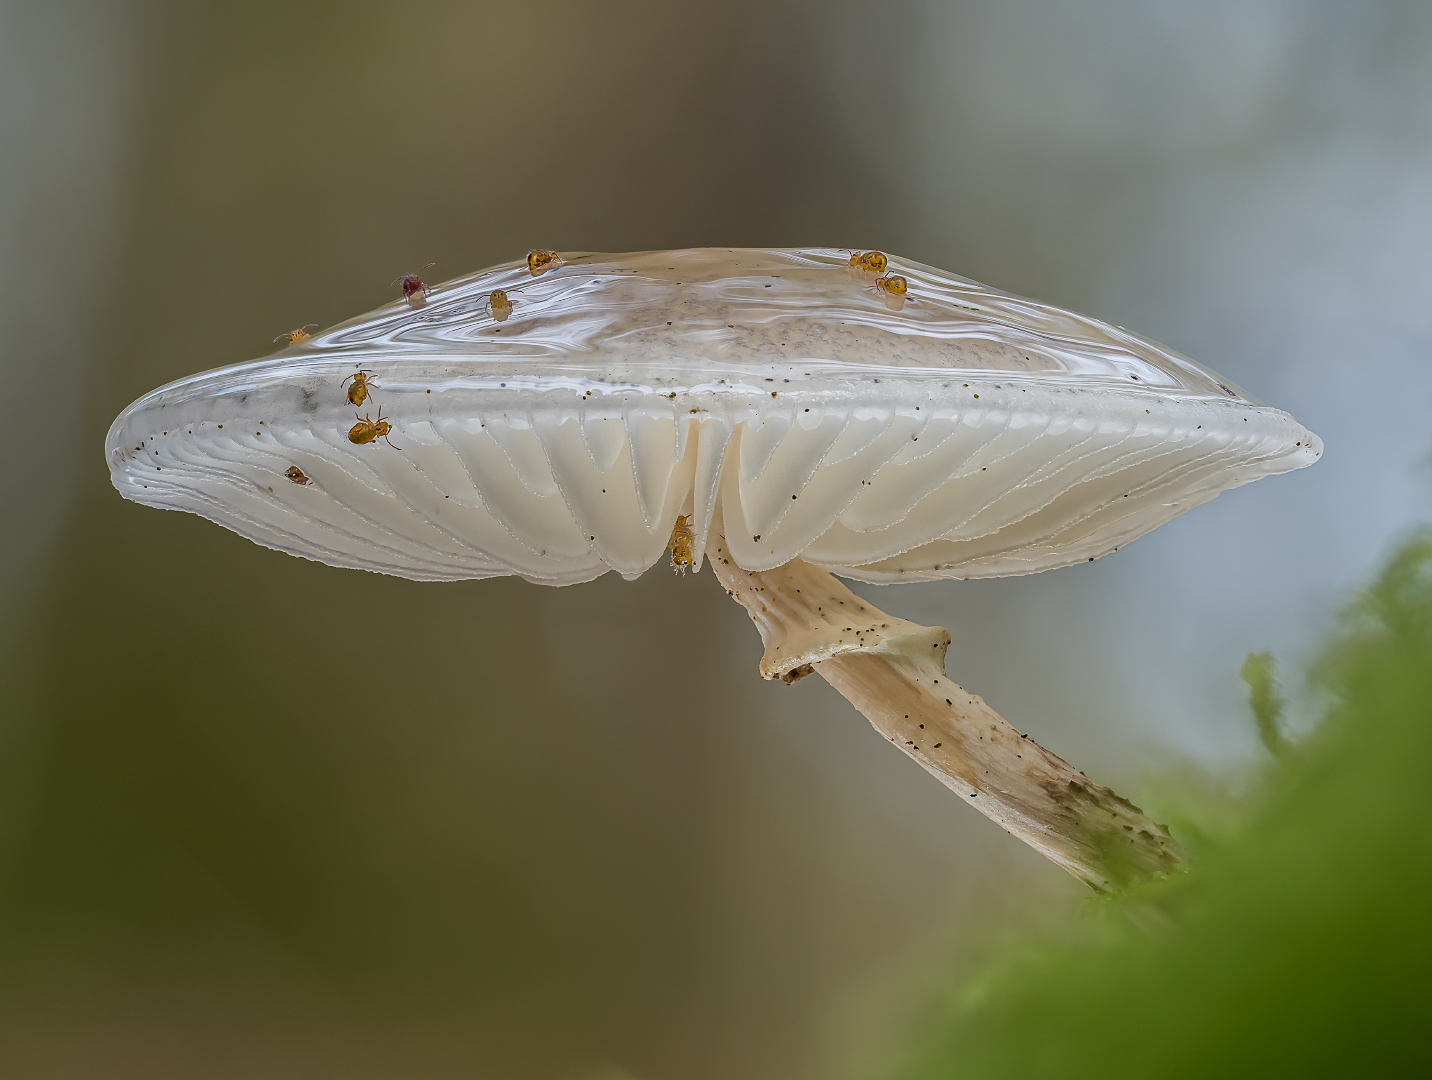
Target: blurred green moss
x: 1299, y: 943
x: 1265, y: 700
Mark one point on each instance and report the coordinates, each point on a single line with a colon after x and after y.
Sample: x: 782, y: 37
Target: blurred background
x: 262, y: 816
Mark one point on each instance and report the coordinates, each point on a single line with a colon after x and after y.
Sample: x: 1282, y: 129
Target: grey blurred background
x: 260, y: 816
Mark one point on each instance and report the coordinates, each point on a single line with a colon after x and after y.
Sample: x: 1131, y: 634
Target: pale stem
x: 893, y: 671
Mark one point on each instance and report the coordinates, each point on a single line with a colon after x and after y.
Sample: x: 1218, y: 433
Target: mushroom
x: 787, y: 420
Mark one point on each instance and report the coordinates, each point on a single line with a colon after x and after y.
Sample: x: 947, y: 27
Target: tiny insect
x: 366, y: 430
x: 873, y: 262
x: 297, y: 475
x: 362, y: 387
x: 498, y: 305
x: 893, y: 284
x: 415, y: 290
x: 894, y: 287
x: 539, y: 262
x: 680, y: 544
x: 295, y: 336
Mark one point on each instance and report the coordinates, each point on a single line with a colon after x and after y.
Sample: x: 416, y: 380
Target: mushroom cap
x: 772, y: 395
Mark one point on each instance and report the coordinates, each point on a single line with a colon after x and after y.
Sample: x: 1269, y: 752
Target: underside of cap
x: 768, y: 395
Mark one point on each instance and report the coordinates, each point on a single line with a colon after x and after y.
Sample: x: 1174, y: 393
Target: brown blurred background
x: 263, y: 817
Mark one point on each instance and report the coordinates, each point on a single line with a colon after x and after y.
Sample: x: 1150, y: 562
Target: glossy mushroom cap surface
x: 772, y: 395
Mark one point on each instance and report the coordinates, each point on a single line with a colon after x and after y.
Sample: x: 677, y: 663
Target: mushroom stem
x: 893, y: 671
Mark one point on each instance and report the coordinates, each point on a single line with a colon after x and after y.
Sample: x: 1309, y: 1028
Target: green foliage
x: 1265, y: 700
x: 1298, y: 945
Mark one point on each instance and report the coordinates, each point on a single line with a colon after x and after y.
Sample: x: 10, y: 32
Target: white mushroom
x: 798, y: 423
